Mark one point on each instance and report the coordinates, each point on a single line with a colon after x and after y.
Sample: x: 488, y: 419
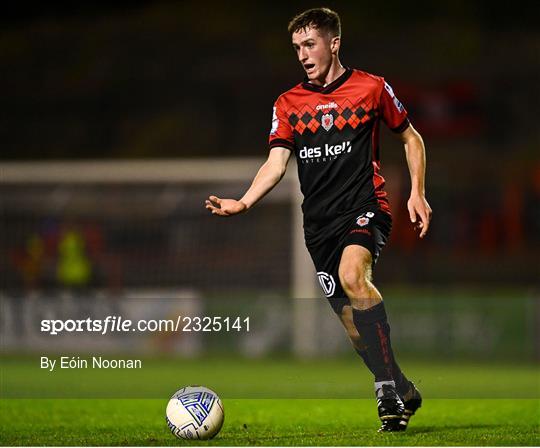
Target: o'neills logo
x: 331, y: 105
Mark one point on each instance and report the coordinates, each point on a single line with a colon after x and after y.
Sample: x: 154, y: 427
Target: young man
x: 331, y: 122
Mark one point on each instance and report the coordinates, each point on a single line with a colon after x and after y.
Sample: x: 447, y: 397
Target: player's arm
x: 419, y: 209
x: 268, y: 176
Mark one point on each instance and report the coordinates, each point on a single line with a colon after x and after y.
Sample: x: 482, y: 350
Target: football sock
x: 364, y: 355
x: 373, y: 327
x: 401, y: 382
x: 378, y: 387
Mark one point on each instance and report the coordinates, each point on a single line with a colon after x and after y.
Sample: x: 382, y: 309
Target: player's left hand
x: 224, y: 207
x: 420, y: 213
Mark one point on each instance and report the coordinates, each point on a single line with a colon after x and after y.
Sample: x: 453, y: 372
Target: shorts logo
x: 363, y: 219
x: 327, y: 283
x: 327, y: 121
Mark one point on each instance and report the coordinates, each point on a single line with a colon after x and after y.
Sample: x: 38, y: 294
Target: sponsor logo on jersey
x: 331, y: 105
x: 327, y: 282
x: 327, y: 121
x: 325, y: 151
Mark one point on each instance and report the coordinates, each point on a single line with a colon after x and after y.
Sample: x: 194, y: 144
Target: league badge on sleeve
x: 397, y: 103
x: 275, y: 122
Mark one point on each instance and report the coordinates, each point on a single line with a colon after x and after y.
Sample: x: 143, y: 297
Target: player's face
x: 314, y: 51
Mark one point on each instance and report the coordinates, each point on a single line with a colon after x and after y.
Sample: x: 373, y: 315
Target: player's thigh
x: 326, y: 256
x: 362, y: 246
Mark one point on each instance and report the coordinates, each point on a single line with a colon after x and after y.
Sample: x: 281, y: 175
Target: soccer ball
x: 195, y: 412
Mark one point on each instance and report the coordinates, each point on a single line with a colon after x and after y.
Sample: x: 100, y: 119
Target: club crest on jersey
x: 327, y: 121
x: 327, y: 282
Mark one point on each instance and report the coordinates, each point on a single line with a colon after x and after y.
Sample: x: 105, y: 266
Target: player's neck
x: 334, y: 72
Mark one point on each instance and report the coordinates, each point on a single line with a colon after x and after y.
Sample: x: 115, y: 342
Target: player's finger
x: 216, y: 210
x: 425, y: 224
x: 412, y: 213
x: 215, y: 199
x: 219, y: 212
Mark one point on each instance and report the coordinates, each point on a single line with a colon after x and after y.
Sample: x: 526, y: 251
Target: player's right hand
x: 225, y: 207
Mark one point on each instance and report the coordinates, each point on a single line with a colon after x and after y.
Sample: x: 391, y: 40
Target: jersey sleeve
x: 281, y: 133
x: 392, y: 111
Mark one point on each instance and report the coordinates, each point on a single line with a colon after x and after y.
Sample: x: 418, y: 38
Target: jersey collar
x: 330, y: 87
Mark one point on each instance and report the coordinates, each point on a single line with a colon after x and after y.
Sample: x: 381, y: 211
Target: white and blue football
x: 195, y: 412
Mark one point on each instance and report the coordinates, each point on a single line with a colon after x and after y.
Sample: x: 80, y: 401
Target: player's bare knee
x: 348, y: 278
x: 354, y: 282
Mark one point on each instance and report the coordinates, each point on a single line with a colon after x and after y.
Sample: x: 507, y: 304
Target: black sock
x: 375, y: 332
x: 402, y: 383
x: 363, y: 354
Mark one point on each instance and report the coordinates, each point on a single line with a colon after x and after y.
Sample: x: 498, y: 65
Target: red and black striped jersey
x: 334, y: 133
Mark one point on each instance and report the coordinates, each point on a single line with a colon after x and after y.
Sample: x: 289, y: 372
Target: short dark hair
x: 323, y: 19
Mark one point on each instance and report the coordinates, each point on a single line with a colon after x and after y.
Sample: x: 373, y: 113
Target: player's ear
x: 335, y: 42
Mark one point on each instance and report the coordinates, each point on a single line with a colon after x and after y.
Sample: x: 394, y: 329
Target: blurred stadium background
x: 119, y: 121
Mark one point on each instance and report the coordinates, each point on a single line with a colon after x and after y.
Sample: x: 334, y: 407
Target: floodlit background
x: 119, y: 121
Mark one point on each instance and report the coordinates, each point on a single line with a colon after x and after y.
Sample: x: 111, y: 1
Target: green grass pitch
x: 267, y: 403
x: 269, y: 422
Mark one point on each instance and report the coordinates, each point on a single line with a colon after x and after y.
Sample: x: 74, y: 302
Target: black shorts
x: 370, y: 229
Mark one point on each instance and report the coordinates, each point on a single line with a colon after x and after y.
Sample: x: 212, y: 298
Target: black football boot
x: 412, y: 400
x: 390, y: 408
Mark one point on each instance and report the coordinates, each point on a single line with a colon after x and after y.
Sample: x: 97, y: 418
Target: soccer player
x: 331, y: 122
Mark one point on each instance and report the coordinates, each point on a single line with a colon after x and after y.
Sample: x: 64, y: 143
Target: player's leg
x: 370, y: 231
x: 346, y: 318
x: 369, y: 318
x: 327, y: 255
x: 406, y: 389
